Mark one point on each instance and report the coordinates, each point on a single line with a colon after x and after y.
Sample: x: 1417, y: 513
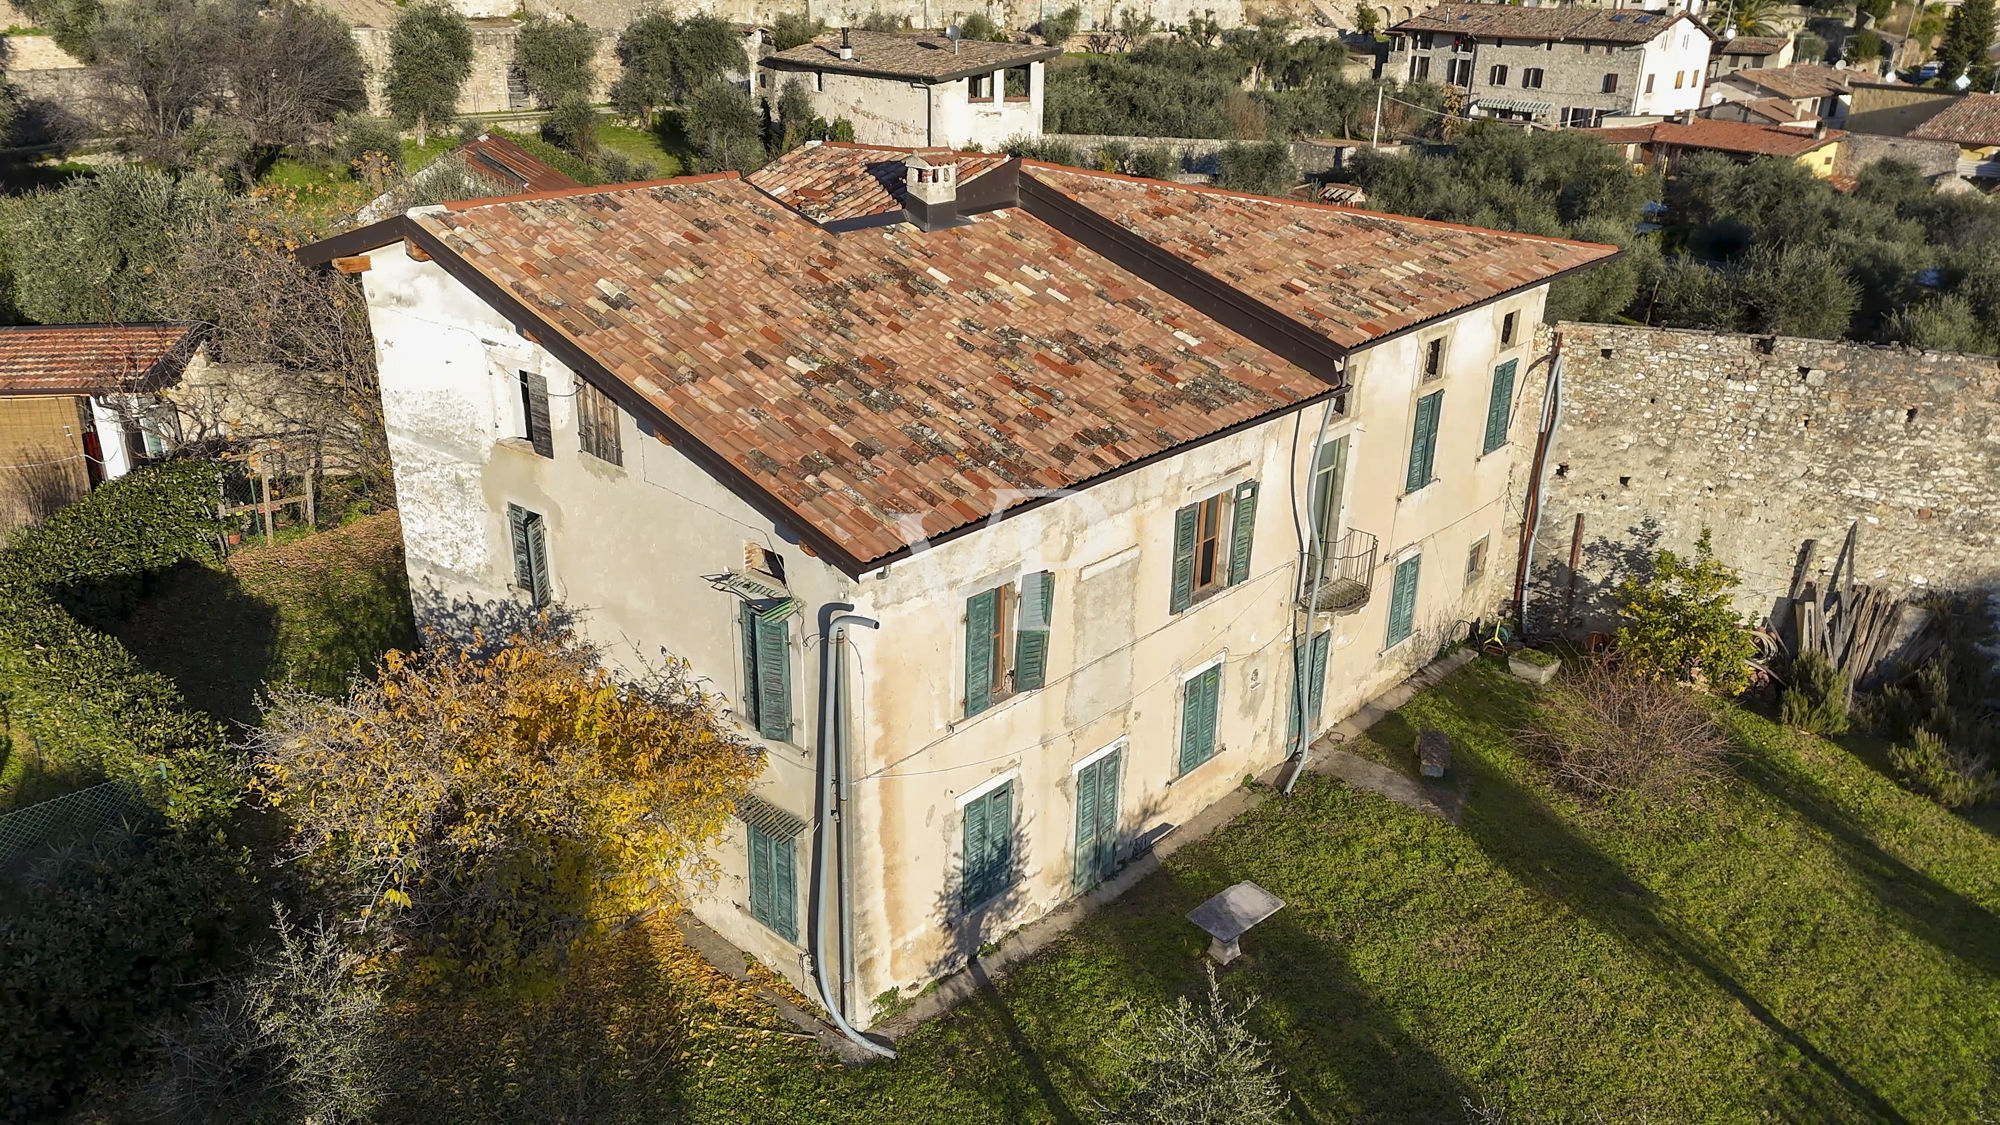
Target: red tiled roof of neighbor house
x: 922, y: 58
x: 1760, y: 46
x: 1350, y: 275
x: 1799, y: 80
x: 1505, y: 21
x: 94, y: 359
x: 884, y: 383
x: 831, y: 182
x: 1777, y: 111
x: 1741, y: 137
x: 501, y: 159
x: 1973, y: 120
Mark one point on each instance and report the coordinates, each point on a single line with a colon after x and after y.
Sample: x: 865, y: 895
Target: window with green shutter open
x: 767, y: 667
x: 1403, y: 601
x: 986, y: 865
x: 1007, y: 640
x: 1499, y: 408
x: 1423, y: 442
x: 1309, y: 683
x: 1201, y: 701
x: 528, y: 535
x: 1212, y: 544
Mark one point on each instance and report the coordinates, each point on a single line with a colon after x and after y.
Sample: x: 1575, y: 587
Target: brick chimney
x: 930, y: 190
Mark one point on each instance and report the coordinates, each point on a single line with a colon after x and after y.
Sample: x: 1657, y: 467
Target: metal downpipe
x: 1315, y: 560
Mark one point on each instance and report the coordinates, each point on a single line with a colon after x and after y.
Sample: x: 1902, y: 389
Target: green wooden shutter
x: 1499, y: 408
x: 1199, y: 700
x: 760, y: 875
x: 1031, y: 639
x: 748, y: 617
x: 538, y: 559
x: 774, y: 672
x: 1183, y: 591
x: 784, y: 895
x: 1423, y: 442
x: 988, y: 846
x: 1107, y: 812
x: 1086, y: 825
x: 979, y: 611
x: 517, y: 531
x: 1096, y: 820
x: 1309, y: 665
x: 1243, y: 531
x: 1403, y: 599
x: 535, y: 409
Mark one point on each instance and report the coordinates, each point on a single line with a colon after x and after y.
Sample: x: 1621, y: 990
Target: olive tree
x: 557, y: 58
x: 430, y: 57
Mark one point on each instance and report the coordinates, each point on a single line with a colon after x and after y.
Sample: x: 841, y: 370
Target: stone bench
x: 1433, y: 753
x: 1231, y: 914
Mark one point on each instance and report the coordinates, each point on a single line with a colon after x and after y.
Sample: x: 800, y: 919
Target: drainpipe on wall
x: 833, y: 621
x: 1312, y: 571
x: 1538, y: 483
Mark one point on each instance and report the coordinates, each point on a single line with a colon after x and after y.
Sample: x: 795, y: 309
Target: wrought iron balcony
x: 1346, y: 575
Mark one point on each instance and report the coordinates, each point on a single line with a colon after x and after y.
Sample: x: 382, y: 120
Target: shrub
x: 1680, y: 622
x: 1603, y: 732
x: 1190, y: 1065
x: 1058, y: 27
x: 360, y: 136
x: 1265, y: 168
x: 573, y: 125
x: 1948, y: 776
x: 1154, y: 162
x: 1816, y: 701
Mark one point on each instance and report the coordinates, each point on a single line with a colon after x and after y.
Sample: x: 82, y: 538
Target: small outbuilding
x: 918, y: 90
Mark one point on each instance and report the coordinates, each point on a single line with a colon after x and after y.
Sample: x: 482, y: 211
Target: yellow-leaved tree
x: 490, y: 806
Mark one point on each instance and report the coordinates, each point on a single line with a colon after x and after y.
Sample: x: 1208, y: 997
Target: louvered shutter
x: 517, y: 531
x: 1318, y: 672
x: 972, y: 850
x: 1183, y: 590
x: 784, y: 896
x: 1423, y: 442
x: 748, y: 618
x: 538, y: 559
x: 1211, y: 699
x: 1500, y: 408
x: 774, y: 672
x: 1243, y: 531
x: 1086, y: 825
x: 1107, y: 811
x: 1031, y: 643
x: 535, y: 408
x: 1198, y: 706
x: 979, y: 611
x: 760, y: 875
x: 1403, y: 600
x: 988, y: 846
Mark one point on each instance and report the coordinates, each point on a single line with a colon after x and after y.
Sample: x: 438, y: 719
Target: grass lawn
x: 641, y: 144
x: 314, y: 609
x: 1805, y: 942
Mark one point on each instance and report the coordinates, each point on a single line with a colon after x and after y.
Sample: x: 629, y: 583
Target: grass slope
x: 1803, y: 942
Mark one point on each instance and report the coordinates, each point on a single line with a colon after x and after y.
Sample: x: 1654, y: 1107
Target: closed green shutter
x: 1097, y: 820
x: 1199, y: 699
x: 1183, y: 591
x: 1500, y: 408
x: 774, y: 672
x: 1423, y: 442
x: 749, y: 621
x: 1243, y: 531
x: 538, y: 559
x: 1403, y: 599
x: 979, y: 611
x: 774, y: 887
x: 1031, y: 643
x: 987, y: 865
x: 1309, y: 665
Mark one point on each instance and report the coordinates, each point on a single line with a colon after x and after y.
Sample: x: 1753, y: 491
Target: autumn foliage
x: 488, y: 808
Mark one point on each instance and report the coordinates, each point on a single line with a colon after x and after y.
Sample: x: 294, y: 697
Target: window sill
x: 1220, y: 750
x: 523, y: 445
x: 1418, y: 491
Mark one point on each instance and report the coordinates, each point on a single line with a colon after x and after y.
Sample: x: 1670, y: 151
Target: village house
x: 80, y: 405
x: 1663, y: 144
x: 1018, y: 511
x: 917, y: 90
x: 1972, y: 122
x: 1559, y: 66
x: 1750, y: 52
x: 1815, y: 91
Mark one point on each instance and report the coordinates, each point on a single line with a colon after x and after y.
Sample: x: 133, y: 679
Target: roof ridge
x: 598, y: 189
x: 1314, y: 204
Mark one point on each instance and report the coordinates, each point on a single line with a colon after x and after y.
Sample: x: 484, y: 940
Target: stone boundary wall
x: 1766, y: 441
x: 1934, y: 159
x: 1314, y: 158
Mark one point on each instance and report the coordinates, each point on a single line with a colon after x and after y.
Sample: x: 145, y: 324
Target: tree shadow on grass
x: 200, y: 628
x: 1918, y: 903
x: 1521, y: 834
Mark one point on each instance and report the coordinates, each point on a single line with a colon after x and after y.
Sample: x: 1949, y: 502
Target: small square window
x: 1475, y: 561
x: 1509, y: 324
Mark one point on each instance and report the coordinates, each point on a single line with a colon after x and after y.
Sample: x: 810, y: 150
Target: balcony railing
x: 1346, y: 575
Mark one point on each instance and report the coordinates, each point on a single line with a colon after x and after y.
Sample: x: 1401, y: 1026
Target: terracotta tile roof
x: 503, y: 160
x: 832, y: 182
x: 1799, y: 80
x: 1761, y: 46
x: 1597, y: 25
x: 925, y: 58
x: 1777, y: 111
x: 879, y: 376
x: 1972, y: 120
x: 1350, y: 275
x: 1741, y: 137
x: 94, y: 359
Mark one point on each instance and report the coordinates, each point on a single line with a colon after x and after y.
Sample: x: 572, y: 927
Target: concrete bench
x: 1433, y: 753
x: 1231, y: 914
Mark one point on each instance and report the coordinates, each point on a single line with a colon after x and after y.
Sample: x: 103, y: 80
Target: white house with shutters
x: 1020, y: 513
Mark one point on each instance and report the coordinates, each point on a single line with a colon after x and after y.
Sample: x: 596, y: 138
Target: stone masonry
x: 1766, y: 441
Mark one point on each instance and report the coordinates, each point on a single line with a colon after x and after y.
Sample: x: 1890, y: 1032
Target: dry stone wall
x: 1765, y: 441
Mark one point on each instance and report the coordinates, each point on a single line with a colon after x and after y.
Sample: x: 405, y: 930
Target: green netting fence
x: 87, y: 813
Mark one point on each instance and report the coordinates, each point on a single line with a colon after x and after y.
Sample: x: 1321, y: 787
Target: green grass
x: 1804, y: 942
x: 640, y: 144
x: 415, y: 156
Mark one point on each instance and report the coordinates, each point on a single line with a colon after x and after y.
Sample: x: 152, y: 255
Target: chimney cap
x: 846, y: 44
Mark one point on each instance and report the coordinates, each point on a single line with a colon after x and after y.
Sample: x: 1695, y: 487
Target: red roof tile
x: 1349, y: 274
x: 1972, y: 120
x: 923, y: 58
x: 1760, y: 46
x: 1598, y: 25
x: 832, y: 182
x: 1799, y: 80
x: 1741, y: 137
x: 877, y: 378
x: 93, y: 359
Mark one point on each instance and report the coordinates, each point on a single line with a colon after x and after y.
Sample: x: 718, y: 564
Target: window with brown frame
x: 597, y: 424
x: 1208, y: 559
x: 1509, y: 324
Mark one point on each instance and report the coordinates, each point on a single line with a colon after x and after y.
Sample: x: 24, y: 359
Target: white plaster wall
x: 890, y: 112
x: 1683, y: 50
x: 628, y: 546
x: 110, y: 424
